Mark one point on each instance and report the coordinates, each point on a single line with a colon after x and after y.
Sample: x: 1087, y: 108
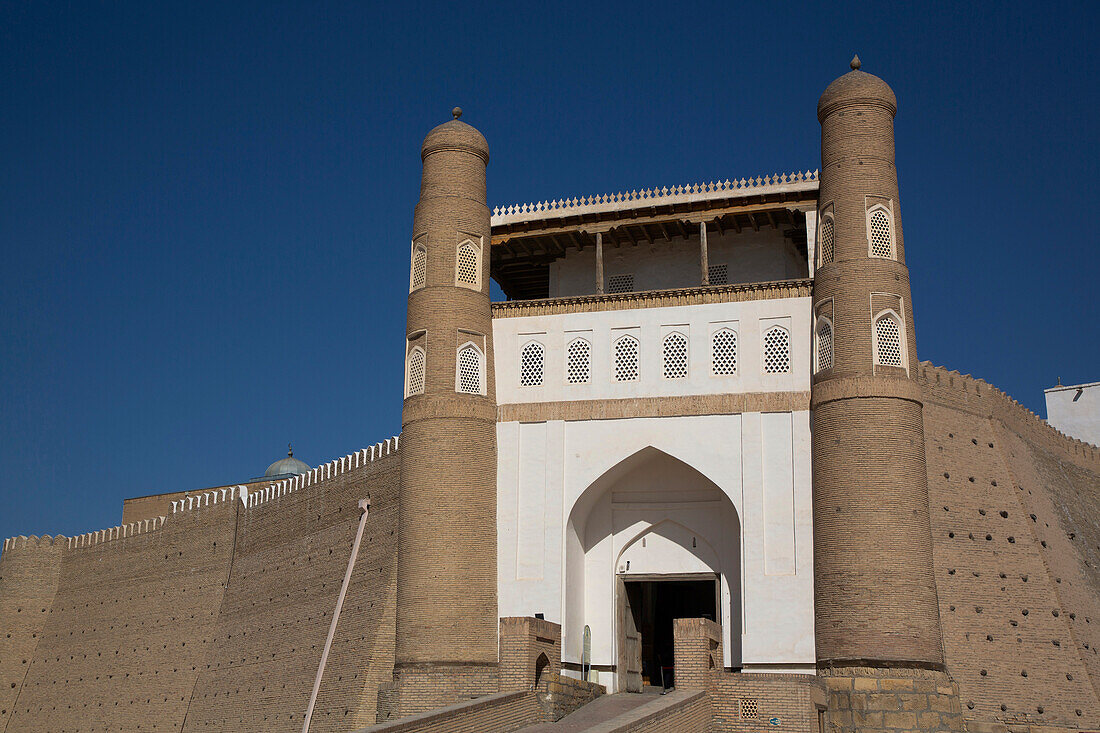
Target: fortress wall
x: 1014, y: 507
x: 130, y: 625
x: 292, y: 553
x: 29, y: 570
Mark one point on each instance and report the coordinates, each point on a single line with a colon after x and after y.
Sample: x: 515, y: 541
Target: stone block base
x: 891, y: 699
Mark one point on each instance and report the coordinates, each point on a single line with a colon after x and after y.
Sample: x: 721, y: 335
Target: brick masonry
x: 446, y: 561
x: 744, y: 702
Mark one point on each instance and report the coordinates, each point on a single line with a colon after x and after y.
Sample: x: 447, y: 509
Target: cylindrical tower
x: 446, y: 636
x: 875, y: 595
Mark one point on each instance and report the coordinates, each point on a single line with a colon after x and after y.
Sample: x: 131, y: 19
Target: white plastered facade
x: 576, y: 497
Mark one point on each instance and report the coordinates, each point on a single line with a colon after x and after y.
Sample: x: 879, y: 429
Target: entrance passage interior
x: 653, y: 605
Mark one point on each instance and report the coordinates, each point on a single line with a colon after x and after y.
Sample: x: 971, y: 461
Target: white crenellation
x: 654, y: 196
x: 90, y: 539
x: 332, y: 469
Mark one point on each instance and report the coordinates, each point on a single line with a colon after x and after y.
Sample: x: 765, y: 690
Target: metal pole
x: 364, y: 506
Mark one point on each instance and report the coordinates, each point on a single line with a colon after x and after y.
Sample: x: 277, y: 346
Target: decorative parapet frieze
x: 777, y: 183
x: 90, y: 539
x: 323, y: 472
x: 23, y: 542
x: 800, y: 288
x: 993, y: 403
x: 207, y: 498
x: 213, y: 498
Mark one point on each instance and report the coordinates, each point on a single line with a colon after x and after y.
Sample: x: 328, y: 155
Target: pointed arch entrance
x: 650, y: 540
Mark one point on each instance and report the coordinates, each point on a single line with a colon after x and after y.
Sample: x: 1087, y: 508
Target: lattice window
x: 469, y: 370
x: 888, y: 341
x: 824, y: 345
x: 882, y: 243
x: 748, y: 708
x: 419, y: 267
x: 675, y: 356
x: 826, y: 236
x: 414, y: 373
x: 531, y: 364
x: 468, y: 270
x: 578, y: 362
x: 620, y: 284
x: 718, y: 274
x: 723, y: 351
x: 626, y: 359
x: 777, y: 350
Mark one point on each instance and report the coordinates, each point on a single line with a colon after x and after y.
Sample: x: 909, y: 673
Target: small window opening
x: 826, y: 236
x: 531, y: 365
x: 415, y: 372
x: 626, y: 359
x: 469, y: 370
x: 620, y: 284
x: 888, y: 347
x: 718, y: 274
x: 777, y: 351
x: 724, y: 351
x: 578, y: 362
x: 468, y: 269
x: 675, y: 356
x: 824, y: 352
x: 882, y: 244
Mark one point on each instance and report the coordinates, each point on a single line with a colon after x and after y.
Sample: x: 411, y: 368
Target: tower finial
x: 456, y: 112
x: 289, y: 451
x: 855, y: 64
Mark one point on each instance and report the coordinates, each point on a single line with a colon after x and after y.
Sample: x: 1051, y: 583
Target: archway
x: 646, y: 524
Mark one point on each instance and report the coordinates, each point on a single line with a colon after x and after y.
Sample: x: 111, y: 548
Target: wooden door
x: 629, y: 658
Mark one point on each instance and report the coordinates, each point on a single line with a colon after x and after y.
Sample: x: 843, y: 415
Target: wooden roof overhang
x: 522, y: 250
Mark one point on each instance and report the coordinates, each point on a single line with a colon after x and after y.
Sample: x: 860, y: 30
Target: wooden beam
x: 752, y: 220
x: 703, y: 254
x: 599, y: 263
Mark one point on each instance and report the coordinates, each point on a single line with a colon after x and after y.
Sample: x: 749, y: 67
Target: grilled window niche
x: 889, y: 343
x: 880, y: 229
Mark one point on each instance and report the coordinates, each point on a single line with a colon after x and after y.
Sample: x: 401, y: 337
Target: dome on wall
x: 289, y: 466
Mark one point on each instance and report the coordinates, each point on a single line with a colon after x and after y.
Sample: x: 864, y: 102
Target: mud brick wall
x: 1015, y: 512
x: 29, y: 570
x: 130, y: 627
x: 291, y: 556
x: 523, y: 640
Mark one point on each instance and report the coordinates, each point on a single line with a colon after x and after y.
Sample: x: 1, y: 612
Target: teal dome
x: 289, y: 466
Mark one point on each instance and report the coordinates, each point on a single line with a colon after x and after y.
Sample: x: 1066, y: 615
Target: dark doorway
x: 654, y: 604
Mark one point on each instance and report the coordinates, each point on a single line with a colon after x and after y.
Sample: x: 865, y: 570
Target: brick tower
x: 446, y: 640
x: 877, y: 614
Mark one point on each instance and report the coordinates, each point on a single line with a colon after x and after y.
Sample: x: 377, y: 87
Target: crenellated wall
x: 211, y: 617
x: 129, y: 627
x: 1015, y: 509
x: 29, y: 571
x: 291, y: 554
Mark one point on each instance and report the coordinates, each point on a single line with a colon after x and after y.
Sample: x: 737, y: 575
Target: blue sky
x: 206, y: 206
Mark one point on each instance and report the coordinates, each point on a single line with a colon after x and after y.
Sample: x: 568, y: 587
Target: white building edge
x: 656, y: 458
